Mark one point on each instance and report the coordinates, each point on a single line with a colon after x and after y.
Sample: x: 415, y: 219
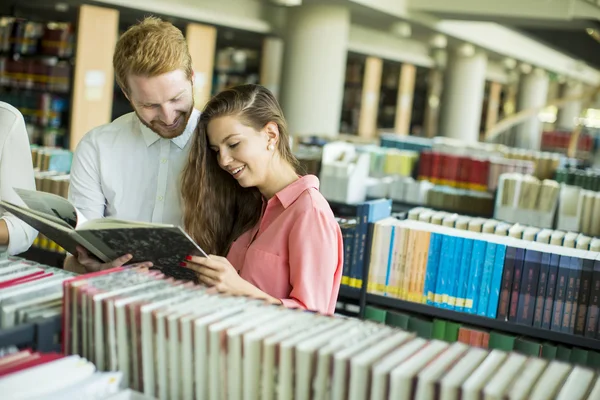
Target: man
x: 130, y: 168
x: 16, y: 171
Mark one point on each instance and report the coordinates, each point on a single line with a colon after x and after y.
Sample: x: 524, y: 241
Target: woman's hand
x: 217, y: 272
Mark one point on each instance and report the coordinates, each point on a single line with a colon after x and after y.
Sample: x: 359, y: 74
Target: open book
x: 106, y: 238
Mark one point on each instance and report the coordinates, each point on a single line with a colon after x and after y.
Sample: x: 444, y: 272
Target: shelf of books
x: 140, y: 334
x: 36, y: 69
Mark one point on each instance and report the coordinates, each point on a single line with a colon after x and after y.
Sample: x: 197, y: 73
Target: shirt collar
x: 150, y: 137
x: 290, y: 193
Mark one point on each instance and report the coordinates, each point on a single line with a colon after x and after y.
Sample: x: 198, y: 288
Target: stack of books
x: 174, y: 340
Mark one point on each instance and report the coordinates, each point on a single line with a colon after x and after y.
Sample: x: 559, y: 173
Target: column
x: 270, y: 66
x: 314, y: 68
x: 97, y: 34
x: 493, y: 106
x: 406, y: 92
x: 369, y: 104
x: 202, y: 40
x: 463, y: 94
x: 434, y: 92
x: 533, y: 92
x: 570, y: 112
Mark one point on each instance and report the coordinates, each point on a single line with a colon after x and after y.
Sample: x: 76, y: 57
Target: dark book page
x: 49, y: 204
x: 166, y: 248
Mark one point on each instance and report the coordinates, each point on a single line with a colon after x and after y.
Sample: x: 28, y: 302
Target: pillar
x: 314, y: 68
x: 270, y: 66
x: 97, y: 34
x: 463, y: 94
x: 369, y: 104
x: 434, y: 92
x: 568, y: 115
x: 493, y: 106
x: 533, y: 93
x: 406, y: 92
x: 202, y: 40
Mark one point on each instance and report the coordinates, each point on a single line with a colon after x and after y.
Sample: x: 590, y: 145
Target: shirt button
x: 163, y: 161
x: 160, y: 198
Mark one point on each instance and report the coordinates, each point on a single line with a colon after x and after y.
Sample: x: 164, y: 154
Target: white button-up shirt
x: 16, y: 171
x: 124, y: 170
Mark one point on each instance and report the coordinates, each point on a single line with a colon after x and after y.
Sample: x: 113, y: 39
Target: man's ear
x: 272, y: 131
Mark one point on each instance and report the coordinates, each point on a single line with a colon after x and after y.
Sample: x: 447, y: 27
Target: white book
x: 473, y: 386
x: 431, y: 374
x: 595, y: 392
x: 380, y: 373
x: 252, y: 371
x: 577, y: 385
x: 497, y: 387
x: 551, y: 381
x: 402, y: 376
x: 305, y: 357
x: 360, y: 364
x: 287, y: 347
x: 339, y: 380
x: 367, y: 332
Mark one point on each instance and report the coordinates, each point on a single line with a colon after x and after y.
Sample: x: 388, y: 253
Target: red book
x: 425, y: 160
x: 436, y: 167
x: 451, y: 170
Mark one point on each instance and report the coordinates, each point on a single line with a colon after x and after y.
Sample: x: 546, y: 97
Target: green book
x: 579, y: 356
x: 501, y: 342
x: 375, y: 314
x: 452, y: 329
x: 397, y: 319
x: 563, y: 353
x: 549, y: 351
x: 439, y: 329
x: 527, y: 347
x: 593, y: 360
x: 421, y: 327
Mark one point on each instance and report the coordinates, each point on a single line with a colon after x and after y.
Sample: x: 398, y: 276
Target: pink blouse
x: 295, y: 253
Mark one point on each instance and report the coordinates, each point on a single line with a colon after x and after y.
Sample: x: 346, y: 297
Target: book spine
x: 496, y: 281
x: 454, y: 272
x: 529, y: 283
x: 541, y: 290
x: 591, y: 326
x: 476, y: 270
x: 506, y: 285
x: 486, y: 279
x: 356, y: 248
x: 433, y: 261
x: 463, y: 280
x: 571, y: 295
x: 564, y: 267
x: 584, y: 296
x: 516, y: 285
x: 550, y: 291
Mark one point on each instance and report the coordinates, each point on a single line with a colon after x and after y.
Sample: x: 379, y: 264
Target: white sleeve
x: 16, y: 171
x: 85, y: 187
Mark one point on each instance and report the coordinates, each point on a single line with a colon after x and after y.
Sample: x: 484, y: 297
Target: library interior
x: 421, y: 180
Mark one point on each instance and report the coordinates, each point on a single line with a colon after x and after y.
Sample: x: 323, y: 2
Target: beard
x: 163, y: 130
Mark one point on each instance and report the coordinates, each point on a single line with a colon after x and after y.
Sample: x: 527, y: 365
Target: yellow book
x: 408, y: 264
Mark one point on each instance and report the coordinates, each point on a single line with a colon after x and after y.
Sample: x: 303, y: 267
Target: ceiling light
x: 439, y: 41
x: 402, y: 29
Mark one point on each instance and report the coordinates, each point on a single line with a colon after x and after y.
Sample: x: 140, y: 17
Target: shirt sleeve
x: 315, y: 258
x: 16, y: 171
x: 85, y: 189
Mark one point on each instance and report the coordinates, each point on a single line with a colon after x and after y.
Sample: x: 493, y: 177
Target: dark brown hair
x: 216, y: 209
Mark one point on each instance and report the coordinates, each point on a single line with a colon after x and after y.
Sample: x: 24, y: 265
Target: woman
x: 243, y: 198
x: 16, y: 171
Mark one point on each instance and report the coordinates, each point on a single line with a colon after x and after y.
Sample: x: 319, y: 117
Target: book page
x: 50, y: 204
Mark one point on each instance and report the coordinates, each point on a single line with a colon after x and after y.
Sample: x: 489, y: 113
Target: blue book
x: 496, y: 284
x: 390, y: 259
x: 486, y: 279
x: 445, y: 250
x: 476, y: 270
x: 454, y: 272
x: 447, y: 271
x: 463, y: 277
x: 431, y: 271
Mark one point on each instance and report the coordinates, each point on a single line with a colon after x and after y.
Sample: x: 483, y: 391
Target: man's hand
x: 84, y: 263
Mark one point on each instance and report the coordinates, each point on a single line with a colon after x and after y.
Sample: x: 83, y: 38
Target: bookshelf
x: 351, y: 105
x: 388, y: 97
x: 423, y: 79
x: 37, y: 50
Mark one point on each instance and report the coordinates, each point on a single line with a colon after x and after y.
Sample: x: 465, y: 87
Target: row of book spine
x: 585, y: 179
x: 527, y: 282
x: 173, y: 340
x: 451, y: 332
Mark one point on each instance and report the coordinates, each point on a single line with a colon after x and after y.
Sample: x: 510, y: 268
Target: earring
x: 271, y: 147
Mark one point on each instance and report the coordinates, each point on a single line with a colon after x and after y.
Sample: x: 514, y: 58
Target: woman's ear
x: 272, y: 131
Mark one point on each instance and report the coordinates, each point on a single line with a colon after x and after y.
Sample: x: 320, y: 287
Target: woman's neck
x: 280, y: 178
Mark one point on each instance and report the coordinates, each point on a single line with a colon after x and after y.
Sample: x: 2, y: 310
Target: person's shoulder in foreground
x: 16, y: 170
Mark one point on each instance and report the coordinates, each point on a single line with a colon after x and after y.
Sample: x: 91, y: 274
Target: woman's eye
x: 232, y: 146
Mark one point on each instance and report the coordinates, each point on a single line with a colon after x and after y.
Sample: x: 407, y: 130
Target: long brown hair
x: 217, y: 210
